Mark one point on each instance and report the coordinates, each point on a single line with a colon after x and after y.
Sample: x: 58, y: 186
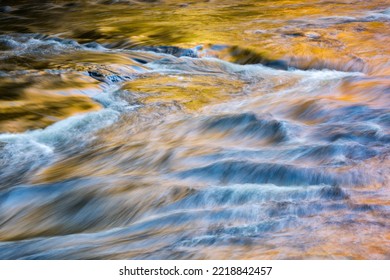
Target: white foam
x: 29, y: 150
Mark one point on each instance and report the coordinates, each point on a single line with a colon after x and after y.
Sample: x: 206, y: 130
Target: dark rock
x: 175, y: 51
x: 92, y: 45
x: 246, y: 56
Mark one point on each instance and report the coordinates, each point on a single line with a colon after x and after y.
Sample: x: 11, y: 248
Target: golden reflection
x: 192, y: 91
x: 321, y: 34
x: 38, y: 101
x: 188, y: 156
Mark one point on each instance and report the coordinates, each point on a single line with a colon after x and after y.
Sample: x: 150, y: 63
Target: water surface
x: 198, y: 130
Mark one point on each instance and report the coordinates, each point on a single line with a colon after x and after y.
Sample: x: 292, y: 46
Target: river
x: 195, y: 130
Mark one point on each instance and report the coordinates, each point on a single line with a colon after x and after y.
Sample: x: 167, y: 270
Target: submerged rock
x: 176, y: 51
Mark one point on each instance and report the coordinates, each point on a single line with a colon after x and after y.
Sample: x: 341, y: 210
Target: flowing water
x: 195, y: 130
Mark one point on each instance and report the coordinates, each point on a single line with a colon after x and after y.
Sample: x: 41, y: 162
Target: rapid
x: 195, y: 130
